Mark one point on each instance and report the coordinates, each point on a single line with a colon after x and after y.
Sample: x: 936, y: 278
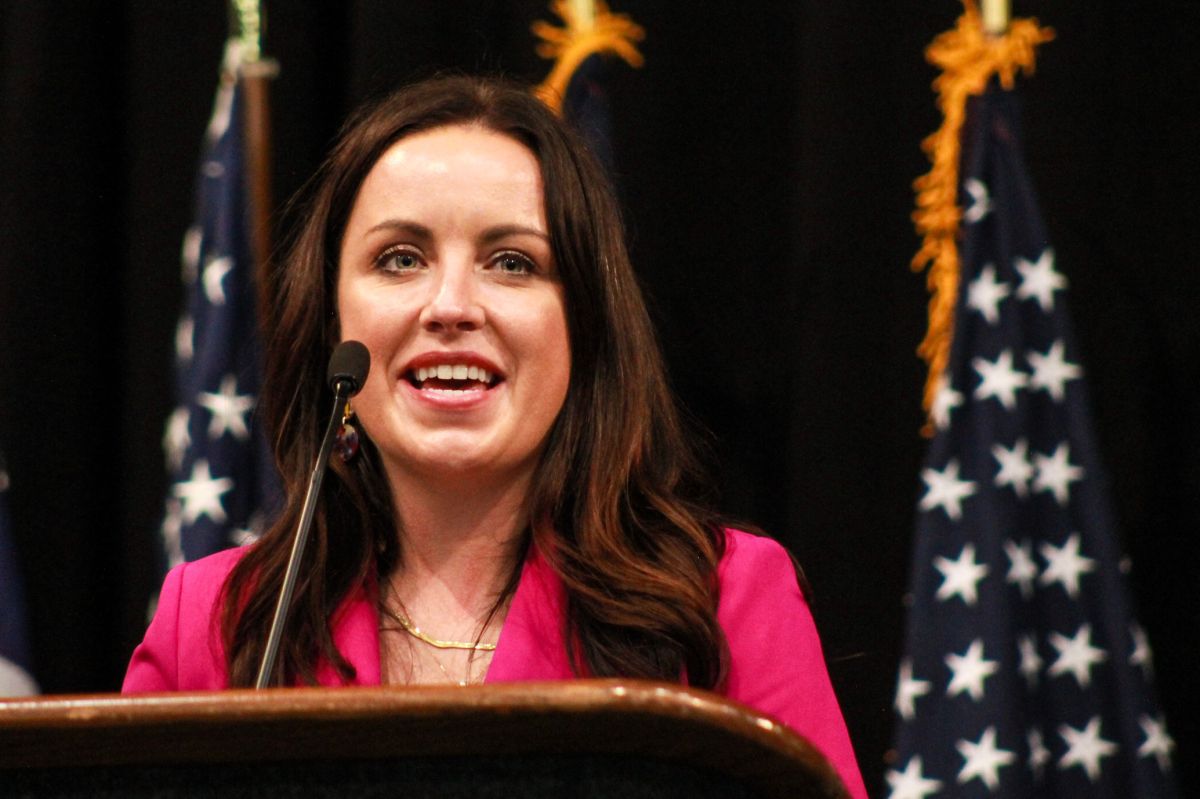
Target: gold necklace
x: 416, y: 632
x: 466, y: 680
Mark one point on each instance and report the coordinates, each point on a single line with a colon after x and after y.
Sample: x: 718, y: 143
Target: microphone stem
x: 341, y: 392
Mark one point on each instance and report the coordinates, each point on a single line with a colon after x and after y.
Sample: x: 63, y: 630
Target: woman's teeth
x: 452, y: 378
x: 454, y: 372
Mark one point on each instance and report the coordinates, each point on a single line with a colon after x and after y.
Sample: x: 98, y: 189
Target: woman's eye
x: 399, y: 261
x: 511, y: 263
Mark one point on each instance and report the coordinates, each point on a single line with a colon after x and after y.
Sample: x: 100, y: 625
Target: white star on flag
x: 960, y: 577
x: 201, y: 494
x: 1065, y: 565
x: 190, y: 256
x: 983, y: 760
x: 172, y: 528
x: 1039, y: 755
x: 1076, y: 655
x: 250, y: 533
x: 1085, y: 748
x: 222, y: 113
x: 984, y: 294
x: 176, y: 438
x: 1051, y: 370
x: 981, y: 201
x: 1031, y: 662
x: 1022, y: 571
x: 1055, y: 473
x: 1141, y: 655
x: 214, y: 272
x: 908, y: 690
x: 970, y: 670
x: 1015, y: 469
x: 911, y: 783
x: 185, y: 339
x: 1039, y: 280
x: 228, y: 409
x: 945, y: 490
x: 1158, y: 743
x: 243, y: 536
x: 945, y: 399
x: 998, y: 379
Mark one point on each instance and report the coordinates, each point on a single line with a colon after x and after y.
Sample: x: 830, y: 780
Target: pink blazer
x: 776, y: 665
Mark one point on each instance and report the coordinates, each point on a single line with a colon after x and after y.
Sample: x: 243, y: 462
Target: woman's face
x: 446, y: 275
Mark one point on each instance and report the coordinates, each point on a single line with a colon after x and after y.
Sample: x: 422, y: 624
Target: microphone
x: 349, y: 364
x: 348, y: 368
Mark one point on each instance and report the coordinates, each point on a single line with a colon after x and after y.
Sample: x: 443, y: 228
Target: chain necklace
x: 411, y: 629
x: 407, y: 625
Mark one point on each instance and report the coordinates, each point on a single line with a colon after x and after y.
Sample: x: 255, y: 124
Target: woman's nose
x: 454, y: 304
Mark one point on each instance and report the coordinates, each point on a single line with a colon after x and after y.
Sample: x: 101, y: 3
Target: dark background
x: 764, y: 154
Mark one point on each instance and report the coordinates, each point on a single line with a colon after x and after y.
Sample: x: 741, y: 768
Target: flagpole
x: 256, y: 79
x: 255, y: 75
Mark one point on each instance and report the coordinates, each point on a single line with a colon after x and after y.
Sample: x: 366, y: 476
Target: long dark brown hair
x: 609, y: 505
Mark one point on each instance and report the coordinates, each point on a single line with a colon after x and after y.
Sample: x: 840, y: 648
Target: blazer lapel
x: 531, y: 641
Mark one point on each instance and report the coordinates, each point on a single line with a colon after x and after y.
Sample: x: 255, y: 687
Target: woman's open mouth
x: 452, y: 377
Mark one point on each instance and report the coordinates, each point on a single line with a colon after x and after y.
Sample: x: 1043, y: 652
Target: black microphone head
x: 349, y: 365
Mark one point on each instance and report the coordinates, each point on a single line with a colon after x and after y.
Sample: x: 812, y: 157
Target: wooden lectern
x: 587, y: 738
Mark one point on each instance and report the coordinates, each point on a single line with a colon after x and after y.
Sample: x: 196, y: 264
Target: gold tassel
x: 571, y: 45
x: 968, y: 58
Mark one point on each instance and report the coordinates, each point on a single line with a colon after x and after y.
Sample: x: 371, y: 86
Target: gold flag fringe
x: 968, y: 58
x: 570, y: 46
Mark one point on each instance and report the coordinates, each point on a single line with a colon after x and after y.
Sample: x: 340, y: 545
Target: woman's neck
x: 459, y: 546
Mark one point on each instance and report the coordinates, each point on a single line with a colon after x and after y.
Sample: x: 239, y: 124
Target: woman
x: 519, y: 506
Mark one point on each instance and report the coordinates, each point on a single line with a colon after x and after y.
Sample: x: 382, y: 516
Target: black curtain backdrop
x: 764, y: 154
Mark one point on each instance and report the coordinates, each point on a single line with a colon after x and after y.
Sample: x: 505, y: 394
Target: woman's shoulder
x: 776, y: 663
x: 182, y: 648
x: 212, y: 567
x: 756, y: 571
x: 747, y: 553
x: 203, y: 579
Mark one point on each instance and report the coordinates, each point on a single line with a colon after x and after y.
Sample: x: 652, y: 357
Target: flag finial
x: 583, y: 35
x: 249, y: 19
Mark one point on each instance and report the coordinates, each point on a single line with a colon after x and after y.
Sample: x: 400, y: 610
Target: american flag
x: 15, y: 679
x: 223, y: 477
x: 1025, y: 673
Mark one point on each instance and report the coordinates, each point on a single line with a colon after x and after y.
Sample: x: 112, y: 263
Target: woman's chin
x: 455, y: 456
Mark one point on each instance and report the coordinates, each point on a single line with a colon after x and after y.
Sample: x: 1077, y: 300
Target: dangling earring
x: 347, y: 437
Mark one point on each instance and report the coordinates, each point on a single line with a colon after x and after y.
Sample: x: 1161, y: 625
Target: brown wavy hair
x: 609, y: 505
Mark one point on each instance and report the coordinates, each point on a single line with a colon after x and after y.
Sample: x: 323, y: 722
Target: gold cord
x: 968, y: 57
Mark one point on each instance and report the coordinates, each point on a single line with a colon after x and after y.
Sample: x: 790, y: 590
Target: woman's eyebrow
x: 414, y: 229
x: 493, y: 234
